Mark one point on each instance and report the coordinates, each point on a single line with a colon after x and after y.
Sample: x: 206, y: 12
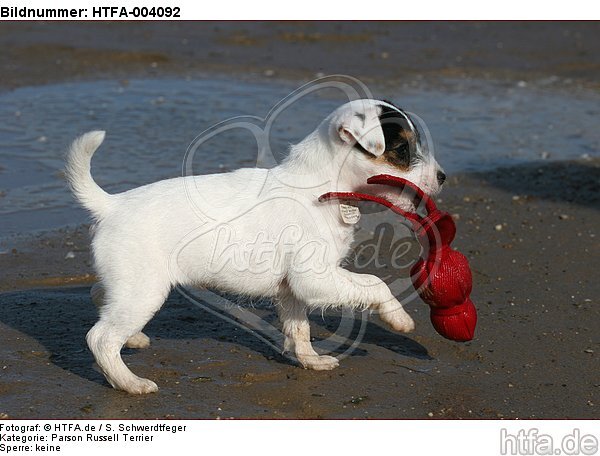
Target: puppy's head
x: 376, y: 137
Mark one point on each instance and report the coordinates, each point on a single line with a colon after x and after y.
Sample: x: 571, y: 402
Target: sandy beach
x: 529, y: 231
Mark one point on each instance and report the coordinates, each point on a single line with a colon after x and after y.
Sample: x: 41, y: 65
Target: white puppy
x: 255, y: 232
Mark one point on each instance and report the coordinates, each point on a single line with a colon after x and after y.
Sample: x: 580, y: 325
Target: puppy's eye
x: 399, y: 155
x: 401, y: 138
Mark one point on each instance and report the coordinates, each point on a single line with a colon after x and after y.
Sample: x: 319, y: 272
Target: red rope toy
x: 442, y: 277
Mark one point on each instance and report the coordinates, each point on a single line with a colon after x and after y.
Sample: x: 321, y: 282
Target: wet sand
x: 530, y: 233
x: 48, y: 52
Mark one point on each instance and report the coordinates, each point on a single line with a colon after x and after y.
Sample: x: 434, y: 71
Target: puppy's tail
x: 85, y: 189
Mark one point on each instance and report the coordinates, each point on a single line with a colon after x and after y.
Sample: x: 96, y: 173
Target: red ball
x: 444, y: 282
x: 455, y: 323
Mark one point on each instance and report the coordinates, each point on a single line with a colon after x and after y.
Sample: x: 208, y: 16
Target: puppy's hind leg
x: 127, y: 308
x: 296, y: 329
x: 139, y: 340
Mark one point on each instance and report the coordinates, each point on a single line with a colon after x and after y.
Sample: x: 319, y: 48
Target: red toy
x: 442, y: 277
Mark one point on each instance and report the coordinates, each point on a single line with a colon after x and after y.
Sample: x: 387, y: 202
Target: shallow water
x: 150, y: 123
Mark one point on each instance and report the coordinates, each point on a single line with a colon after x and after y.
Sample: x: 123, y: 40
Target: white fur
x: 188, y: 231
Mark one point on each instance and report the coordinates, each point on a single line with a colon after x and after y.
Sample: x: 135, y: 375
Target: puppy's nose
x: 441, y: 177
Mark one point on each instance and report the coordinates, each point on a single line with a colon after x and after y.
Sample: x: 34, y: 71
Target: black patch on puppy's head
x: 402, y: 139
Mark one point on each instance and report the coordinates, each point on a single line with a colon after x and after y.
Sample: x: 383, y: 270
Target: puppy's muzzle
x: 441, y: 177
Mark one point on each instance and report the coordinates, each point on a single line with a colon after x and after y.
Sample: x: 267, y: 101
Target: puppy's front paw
x: 401, y: 323
x: 394, y: 315
x: 317, y: 362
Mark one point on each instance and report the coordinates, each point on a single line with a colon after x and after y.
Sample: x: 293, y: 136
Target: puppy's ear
x: 363, y: 128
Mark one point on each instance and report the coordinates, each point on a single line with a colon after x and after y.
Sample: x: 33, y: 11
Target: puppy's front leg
x: 296, y: 329
x: 340, y: 287
x: 393, y: 314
